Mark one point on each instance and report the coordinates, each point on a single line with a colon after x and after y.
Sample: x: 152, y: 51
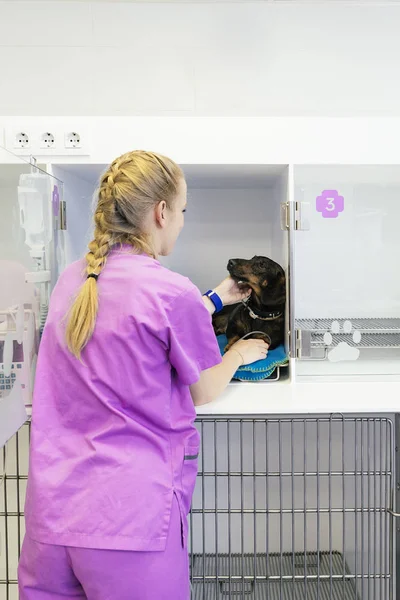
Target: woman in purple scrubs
x: 127, y: 352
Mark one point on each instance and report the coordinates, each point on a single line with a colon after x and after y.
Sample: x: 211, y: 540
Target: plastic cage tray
x: 317, y: 576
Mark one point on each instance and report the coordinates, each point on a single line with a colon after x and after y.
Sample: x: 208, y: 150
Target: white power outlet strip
x: 27, y: 141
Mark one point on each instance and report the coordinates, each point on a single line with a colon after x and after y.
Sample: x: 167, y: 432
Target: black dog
x: 264, y: 311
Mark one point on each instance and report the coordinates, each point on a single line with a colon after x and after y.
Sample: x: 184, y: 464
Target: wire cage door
x: 14, y: 459
x: 293, y: 508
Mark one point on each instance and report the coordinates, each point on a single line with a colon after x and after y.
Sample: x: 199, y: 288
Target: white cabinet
x: 332, y: 227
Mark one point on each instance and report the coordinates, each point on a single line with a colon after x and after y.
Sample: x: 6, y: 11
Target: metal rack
x: 273, y: 588
x: 372, y: 334
x: 294, y: 508
x: 366, y: 325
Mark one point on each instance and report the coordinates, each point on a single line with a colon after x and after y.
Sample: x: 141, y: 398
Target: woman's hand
x: 213, y: 381
x: 250, y: 351
x: 230, y: 292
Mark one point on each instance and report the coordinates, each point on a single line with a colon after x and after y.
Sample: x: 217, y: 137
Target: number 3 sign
x: 330, y: 204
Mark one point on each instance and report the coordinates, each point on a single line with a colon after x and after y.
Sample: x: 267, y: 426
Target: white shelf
x: 285, y: 398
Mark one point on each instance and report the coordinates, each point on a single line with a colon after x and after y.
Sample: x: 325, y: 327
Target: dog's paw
x: 228, y: 347
x: 343, y: 350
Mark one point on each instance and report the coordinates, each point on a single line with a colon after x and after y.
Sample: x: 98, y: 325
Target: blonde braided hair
x: 133, y: 184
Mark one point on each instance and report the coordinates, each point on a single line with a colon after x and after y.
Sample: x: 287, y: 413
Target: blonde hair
x: 133, y: 184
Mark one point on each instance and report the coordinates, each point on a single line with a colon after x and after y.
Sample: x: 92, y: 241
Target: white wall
x: 224, y: 224
x: 264, y: 58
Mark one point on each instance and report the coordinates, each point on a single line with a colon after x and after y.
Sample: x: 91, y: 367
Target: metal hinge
x: 285, y: 216
x: 303, y: 344
x: 300, y: 216
x: 304, y: 349
x: 63, y: 215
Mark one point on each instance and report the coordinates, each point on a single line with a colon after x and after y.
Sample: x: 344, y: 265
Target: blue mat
x: 262, y: 369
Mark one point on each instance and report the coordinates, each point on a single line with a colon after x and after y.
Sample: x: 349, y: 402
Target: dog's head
x: 265, y: 277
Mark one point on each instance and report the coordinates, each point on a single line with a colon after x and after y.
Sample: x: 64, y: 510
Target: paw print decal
x: 343, y: 350
x: 330, y: 204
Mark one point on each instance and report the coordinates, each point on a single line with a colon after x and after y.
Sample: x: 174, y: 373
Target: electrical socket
x: 18, y: 140
x: 60, y: 142
x: 47, y: 140
x: 22, y: 140
x: 73, y: 139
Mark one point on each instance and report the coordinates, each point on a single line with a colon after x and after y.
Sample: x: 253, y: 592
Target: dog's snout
x: 232, y: 263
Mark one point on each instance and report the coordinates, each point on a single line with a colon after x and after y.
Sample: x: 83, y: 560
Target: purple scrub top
x: 113, y: 438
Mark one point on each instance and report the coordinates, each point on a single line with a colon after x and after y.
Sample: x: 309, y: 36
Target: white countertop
x: 289, y: 398
x: 285, y: 397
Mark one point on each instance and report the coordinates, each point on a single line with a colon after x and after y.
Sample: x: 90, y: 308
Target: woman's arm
x: 209, y: 305
x: 213, y: 381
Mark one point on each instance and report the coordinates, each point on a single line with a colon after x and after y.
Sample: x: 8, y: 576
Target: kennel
x: 284, y: 508
x: 298, y: 485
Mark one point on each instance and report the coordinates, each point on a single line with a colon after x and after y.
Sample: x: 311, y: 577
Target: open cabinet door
x: 346, y: 284
x: 30, y: 255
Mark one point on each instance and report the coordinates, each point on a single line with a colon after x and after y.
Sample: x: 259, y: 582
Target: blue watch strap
x: 215, y: 299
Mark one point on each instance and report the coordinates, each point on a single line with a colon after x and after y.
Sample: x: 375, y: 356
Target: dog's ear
x: 273, y: 292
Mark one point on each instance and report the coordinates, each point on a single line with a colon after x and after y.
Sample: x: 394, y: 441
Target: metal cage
x: 14, y: 458
x: 284, y: 508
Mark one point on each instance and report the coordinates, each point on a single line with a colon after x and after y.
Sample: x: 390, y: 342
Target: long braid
x: 83, y: 314
x: 99, y: 247
x: 134, y: 182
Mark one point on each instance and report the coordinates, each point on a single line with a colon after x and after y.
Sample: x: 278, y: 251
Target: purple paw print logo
x: 330, y: 204
x: 56, y: 201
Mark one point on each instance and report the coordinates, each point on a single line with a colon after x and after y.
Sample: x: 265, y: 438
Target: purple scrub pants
x: 49, y: 572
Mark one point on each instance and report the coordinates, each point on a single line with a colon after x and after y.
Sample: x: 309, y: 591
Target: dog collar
x: 263, y: 316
